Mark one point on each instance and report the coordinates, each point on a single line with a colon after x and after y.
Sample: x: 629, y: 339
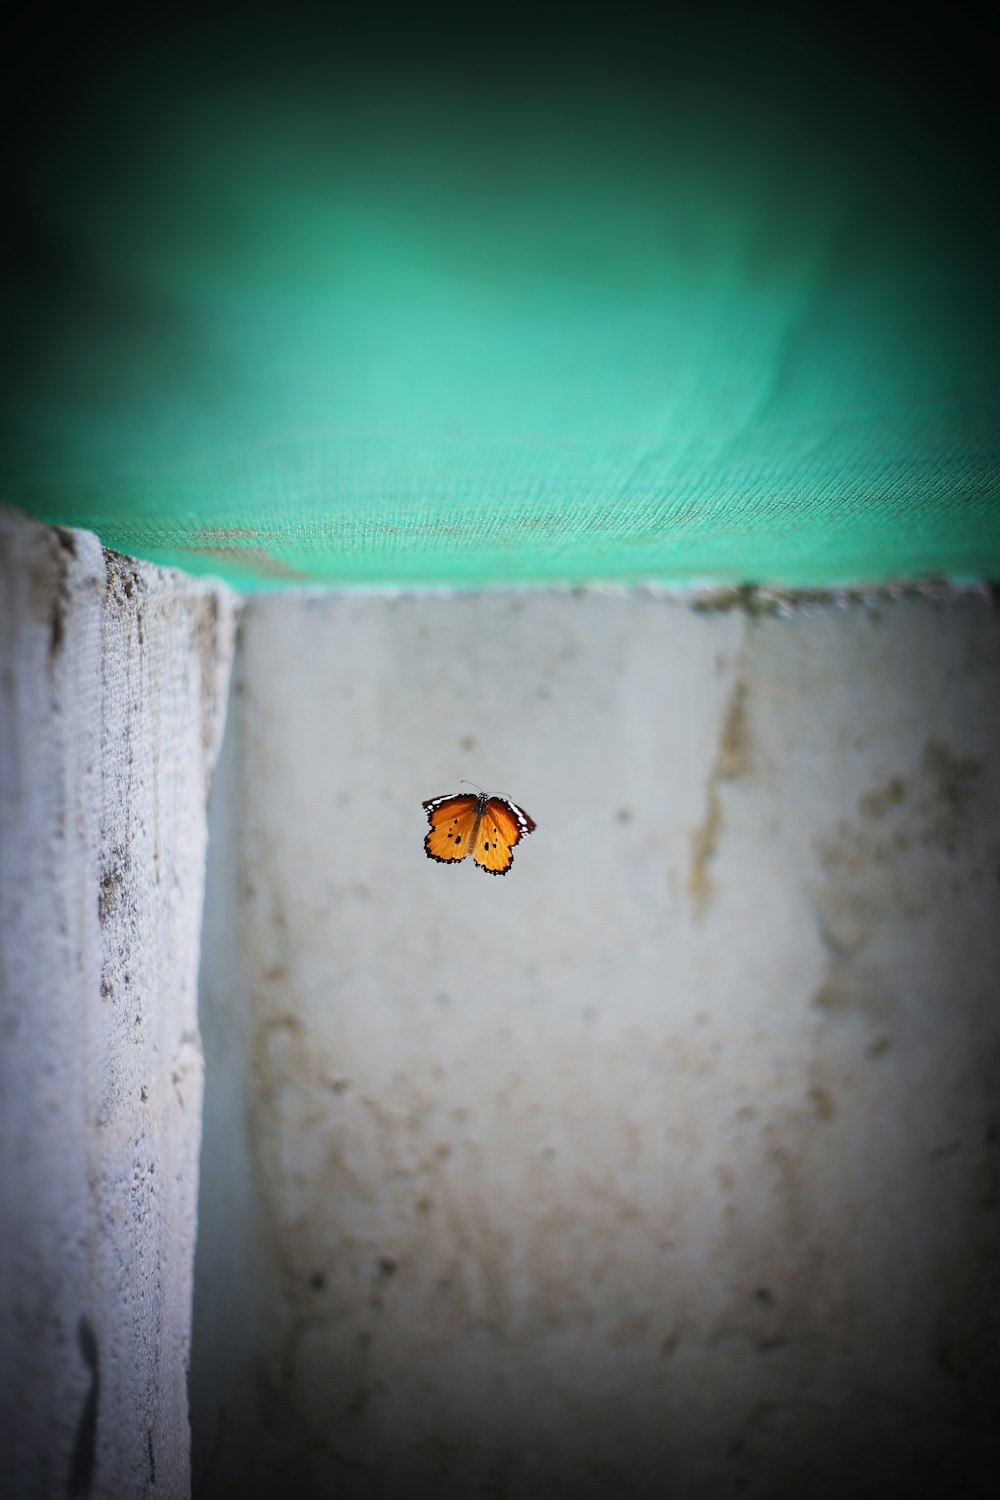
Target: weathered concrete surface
x: 114, y: 684
x: 668, y: 1164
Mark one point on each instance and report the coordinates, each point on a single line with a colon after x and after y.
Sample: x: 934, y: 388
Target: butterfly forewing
x: 517, y: 818
x: 452, y: 820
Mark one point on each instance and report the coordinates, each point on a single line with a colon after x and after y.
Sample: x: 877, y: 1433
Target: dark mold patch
x: 107, y: 895
x: 821, y: 1102
x: 112, y: 885
x: 121, y: 575
x: 748, y: 599
x: 124, y: 589
x: 848, y: 990
x: 879, y: 801
x: 954, y: 786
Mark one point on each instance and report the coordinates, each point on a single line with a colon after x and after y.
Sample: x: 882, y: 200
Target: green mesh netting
x: 714, y: 302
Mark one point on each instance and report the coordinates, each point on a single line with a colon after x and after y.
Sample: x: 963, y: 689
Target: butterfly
x: 486, y: 827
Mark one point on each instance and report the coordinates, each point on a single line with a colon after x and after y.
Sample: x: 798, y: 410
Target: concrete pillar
x: 114, y: 685
x: 666, y: 1164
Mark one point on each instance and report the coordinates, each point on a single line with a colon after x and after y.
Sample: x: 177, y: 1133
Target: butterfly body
x: 485, y: 827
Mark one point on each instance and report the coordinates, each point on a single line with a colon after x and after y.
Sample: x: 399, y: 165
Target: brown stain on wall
x: 732, y: 760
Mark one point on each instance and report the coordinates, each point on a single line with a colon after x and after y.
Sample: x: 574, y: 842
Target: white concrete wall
x: 112, y: 699
x: 668, y: 1164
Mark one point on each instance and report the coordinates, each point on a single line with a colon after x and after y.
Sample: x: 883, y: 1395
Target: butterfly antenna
x: 464, y: 782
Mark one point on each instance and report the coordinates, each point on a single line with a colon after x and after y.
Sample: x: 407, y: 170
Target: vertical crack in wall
x: 84, y: 1459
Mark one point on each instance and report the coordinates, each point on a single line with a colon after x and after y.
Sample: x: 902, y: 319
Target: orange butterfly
x: 488, y: 827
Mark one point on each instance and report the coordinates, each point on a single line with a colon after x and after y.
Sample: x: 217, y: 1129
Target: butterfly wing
x: 452, y: 820
x: 502, y: 825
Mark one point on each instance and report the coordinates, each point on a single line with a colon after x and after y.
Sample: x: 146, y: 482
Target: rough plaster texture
x: 114, y: 684
x: 670, y: 1163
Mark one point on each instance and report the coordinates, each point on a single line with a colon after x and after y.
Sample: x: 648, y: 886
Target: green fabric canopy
x: 713, y: 301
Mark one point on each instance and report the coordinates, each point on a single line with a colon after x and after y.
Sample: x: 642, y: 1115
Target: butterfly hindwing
x: 452, y: 821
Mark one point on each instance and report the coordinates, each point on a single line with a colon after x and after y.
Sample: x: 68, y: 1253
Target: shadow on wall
x: 668, y: 1160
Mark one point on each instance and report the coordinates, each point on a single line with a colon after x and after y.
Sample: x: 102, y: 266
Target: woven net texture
x: 710, y: 301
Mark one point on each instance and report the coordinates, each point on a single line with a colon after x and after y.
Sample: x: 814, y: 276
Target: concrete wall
x: 669, y: 1163
x: 114, y: 684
